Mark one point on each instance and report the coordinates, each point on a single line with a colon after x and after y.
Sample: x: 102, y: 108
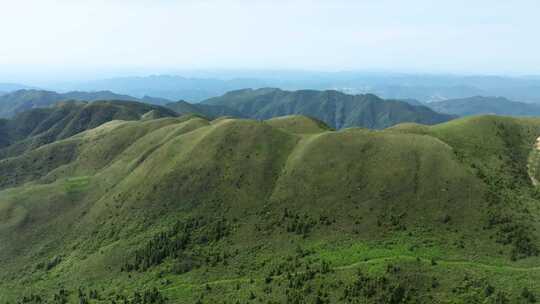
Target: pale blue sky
x: 40, y: 37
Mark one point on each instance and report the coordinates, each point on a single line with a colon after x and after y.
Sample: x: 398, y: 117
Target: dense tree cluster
x: 509, y: 231
x: 151, y: 296
x: 480, y: 291
x: 528, y: 296
x: 378, y: 290
x: 299, y: 283
x: 299, y: 224
x: 502, y: 183
x: 63, y: 296
x: 392, y: 220
x: 30, y: 299
x: 174, y: 242
x: 518, y: 236
x: 50, y: 264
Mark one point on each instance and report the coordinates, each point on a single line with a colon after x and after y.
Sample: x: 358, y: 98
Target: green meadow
x: 287, y: 210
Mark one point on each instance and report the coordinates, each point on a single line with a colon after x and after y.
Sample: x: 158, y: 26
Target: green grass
x: 77, y: 184
x: 452, y: 203
x: 298, y: 124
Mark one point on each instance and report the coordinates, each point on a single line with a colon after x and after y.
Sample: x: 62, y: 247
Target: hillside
x: 155, y: 100
x: 31, y: 129
x: 479, y: 105
x: 210, y: 111
x: 187, y: 210
x: 413, y: 102
x: 23, y: 100
x: 336, y: 109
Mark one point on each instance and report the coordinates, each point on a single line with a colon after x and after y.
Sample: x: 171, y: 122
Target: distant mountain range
x: 336, y: 109
x: 422, y: 87
x: 165, y: 86
x: 485, y: 105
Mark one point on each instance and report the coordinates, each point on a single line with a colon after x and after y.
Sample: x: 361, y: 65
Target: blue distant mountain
x: 479, y: 105
x: 424, y: 88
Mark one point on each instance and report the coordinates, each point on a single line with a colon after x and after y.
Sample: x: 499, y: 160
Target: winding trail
x: 367, y: 262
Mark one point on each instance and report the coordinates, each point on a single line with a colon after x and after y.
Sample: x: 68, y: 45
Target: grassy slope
x: 417, y: 198
x: 210, y: 111
x: 298, y: 124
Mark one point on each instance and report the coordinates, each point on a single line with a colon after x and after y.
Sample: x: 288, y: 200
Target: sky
x: 98, y: 38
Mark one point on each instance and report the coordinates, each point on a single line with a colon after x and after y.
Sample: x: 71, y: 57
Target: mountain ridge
x: 37, y: 127
x: 337, y: 109
x: 26, y: 99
